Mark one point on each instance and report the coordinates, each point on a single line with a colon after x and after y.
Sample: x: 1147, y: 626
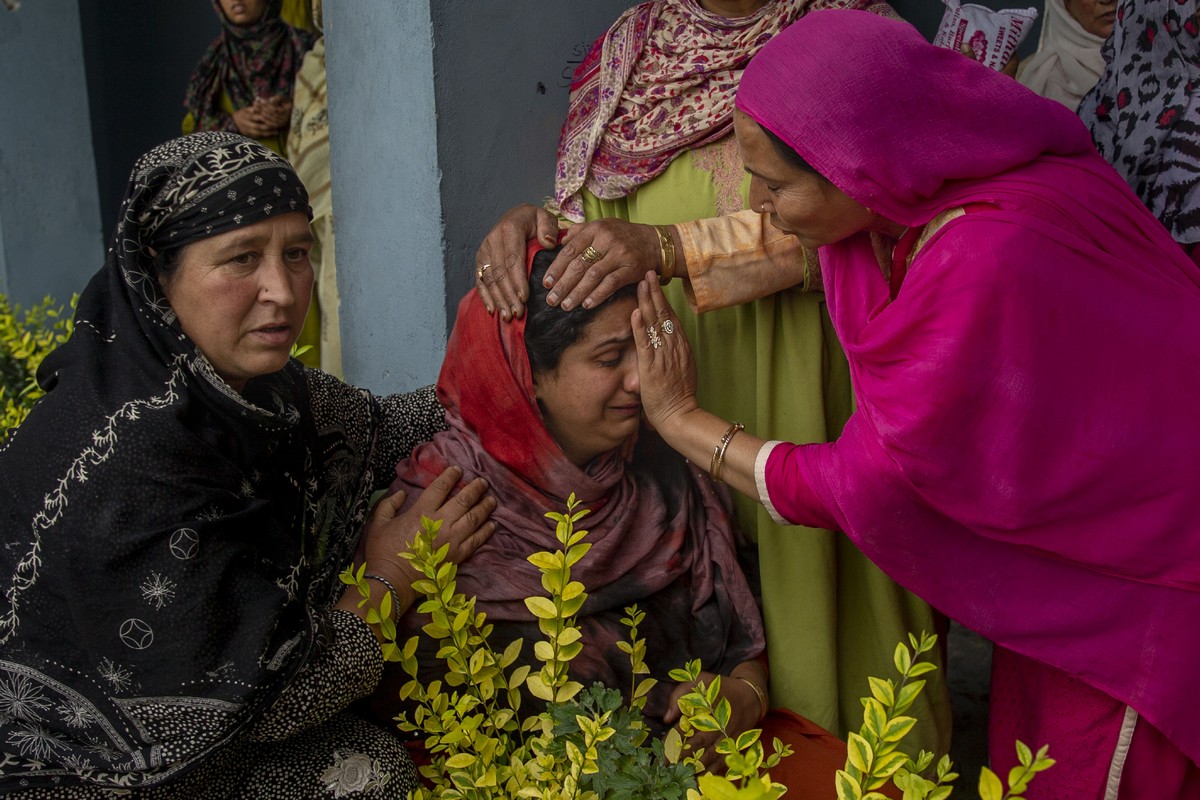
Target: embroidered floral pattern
x: 354, y: 774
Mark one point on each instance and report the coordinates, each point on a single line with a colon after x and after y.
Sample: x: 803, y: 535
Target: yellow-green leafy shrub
x: 26, y: 338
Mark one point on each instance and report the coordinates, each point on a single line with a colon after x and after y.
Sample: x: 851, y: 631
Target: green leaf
x: 883, y: 691
x: 908, y: 693
x: 546, y: 561
x: 897, y: 728
x: 902, y: 659
x: 847, y: 787
x: 541, y: 607
x: 989, y: 785
x: 859, y: 753
x: 874, y: 717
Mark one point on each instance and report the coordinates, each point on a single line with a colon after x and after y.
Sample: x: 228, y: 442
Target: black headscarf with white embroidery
x: 167, y: 545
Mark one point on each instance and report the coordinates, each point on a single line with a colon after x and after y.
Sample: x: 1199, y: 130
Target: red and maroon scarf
x: 660, y: 533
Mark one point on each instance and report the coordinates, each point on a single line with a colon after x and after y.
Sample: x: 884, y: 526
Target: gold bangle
x: 714, y: 468
x: 666, y: 251
x: 762, y: 696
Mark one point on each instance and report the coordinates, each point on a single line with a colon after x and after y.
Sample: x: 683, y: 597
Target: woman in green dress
x: 648, y: 139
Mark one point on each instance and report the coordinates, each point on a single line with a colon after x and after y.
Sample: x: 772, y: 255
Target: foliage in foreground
x: 26, y: 338
x: 873, y: 756
x: 588, y: 743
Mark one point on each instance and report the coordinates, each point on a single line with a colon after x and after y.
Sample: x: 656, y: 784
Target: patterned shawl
x: 1023, y: 455
x: 660, y: 535
x: 256, y: 61
x: 660, y: 81
x: 1144, y: 113
x: 165, y: 540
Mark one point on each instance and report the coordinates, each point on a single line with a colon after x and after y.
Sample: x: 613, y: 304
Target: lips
x: 274, y: 334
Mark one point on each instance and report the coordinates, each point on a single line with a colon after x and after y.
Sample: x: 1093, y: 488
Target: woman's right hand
x: 465, y: 525
x: 500, y: 274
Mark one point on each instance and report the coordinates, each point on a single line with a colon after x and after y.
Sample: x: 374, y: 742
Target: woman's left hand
x: 744, y: 713
x: 666, y: 368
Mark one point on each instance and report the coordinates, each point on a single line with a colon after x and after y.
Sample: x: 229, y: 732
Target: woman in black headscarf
x: 175, y: 511
x: 244, y: 80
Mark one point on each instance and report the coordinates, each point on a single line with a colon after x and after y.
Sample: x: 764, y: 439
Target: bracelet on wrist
x: 762, y: 696
x: 395, y: 595
x: 718, y: 457
x: 666, y: 251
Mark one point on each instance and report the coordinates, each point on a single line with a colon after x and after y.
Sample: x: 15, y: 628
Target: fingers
x: 389, y: 506
x: 436, y: 493
x: 547, y: 228
x: 500, y: 274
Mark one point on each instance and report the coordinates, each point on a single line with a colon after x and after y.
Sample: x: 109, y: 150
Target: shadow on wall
x: 139, y: 55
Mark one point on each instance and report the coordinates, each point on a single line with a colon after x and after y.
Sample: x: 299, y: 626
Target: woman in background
x: 1068, y: 62
x: 243, y: 82
x: 1145, y: 112
x: 308, y: 150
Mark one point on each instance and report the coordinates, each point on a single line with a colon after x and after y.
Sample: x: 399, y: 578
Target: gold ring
x: 591, y: 255
x: 479, y: 272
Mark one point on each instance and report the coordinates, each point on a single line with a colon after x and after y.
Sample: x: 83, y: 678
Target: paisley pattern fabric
x: 1144, y: 113
x: 660, y: 81
x: 168, y: 546
x: 260, y: 60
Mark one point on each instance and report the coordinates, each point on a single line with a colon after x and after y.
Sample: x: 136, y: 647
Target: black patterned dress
x: 169, y: 547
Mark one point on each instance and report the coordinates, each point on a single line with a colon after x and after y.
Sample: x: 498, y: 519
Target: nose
x: 632, y: 381
x: 758, y: 194
x: 275, y: 282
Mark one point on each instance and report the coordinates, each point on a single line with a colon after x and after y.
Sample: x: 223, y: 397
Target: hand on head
x: 597, y: 259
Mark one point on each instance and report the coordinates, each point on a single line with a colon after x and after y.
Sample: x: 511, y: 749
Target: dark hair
x: 786, y: 152
x: 166, y: 262
x: 548, y: 329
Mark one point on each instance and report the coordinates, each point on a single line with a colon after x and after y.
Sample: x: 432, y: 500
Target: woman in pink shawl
x: 1024, y: 341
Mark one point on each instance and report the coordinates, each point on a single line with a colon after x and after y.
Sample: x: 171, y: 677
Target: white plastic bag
x: 990, y: 37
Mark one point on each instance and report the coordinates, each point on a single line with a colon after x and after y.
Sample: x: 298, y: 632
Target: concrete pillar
x: 50, y: 237
x: 443, y: 113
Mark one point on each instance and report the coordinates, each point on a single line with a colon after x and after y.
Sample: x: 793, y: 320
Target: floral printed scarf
x: 660, y: 81
x: 260, y: 60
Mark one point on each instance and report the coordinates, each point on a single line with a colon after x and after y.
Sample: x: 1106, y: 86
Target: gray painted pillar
x: 383, y: 140
x: 443, y: 113
x: 50, y: 238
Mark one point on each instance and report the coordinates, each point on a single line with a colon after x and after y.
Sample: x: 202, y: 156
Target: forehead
x: 610, y: 323
x: 759, y: 154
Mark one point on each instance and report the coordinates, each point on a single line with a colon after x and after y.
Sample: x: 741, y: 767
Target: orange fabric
x: 817, y: 755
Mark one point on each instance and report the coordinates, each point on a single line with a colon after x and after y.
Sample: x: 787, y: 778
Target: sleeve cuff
x: 760, y: 481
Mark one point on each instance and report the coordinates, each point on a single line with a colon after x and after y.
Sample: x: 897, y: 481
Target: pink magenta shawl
x: 660, y: 535
x: 1025, y: 451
